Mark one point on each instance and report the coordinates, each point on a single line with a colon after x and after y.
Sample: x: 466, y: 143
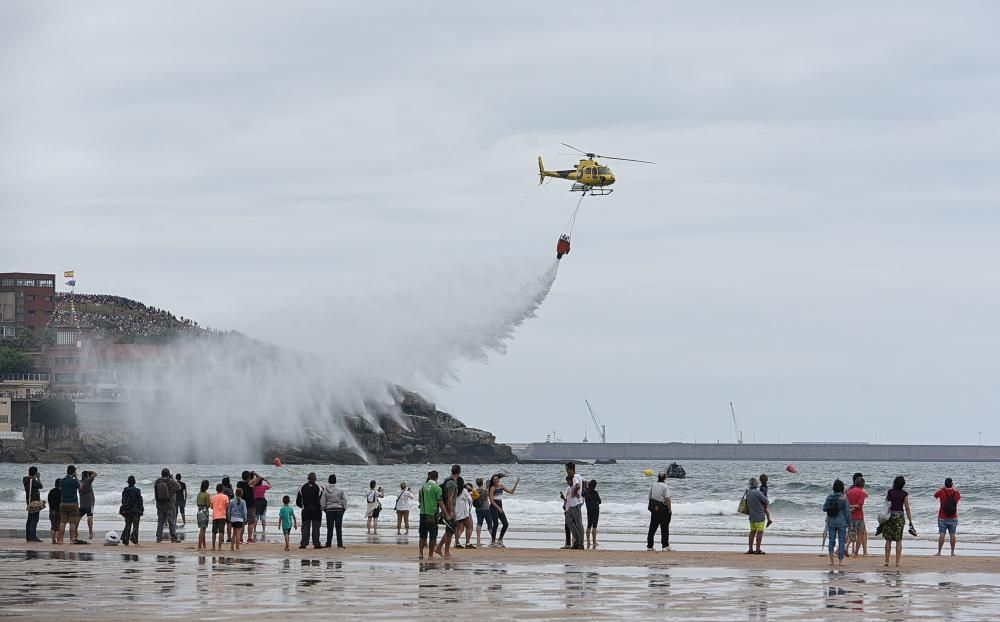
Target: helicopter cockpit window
x: 603, y: 170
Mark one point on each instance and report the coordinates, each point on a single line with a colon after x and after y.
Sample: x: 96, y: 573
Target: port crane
x: 736, y: 425
x: 601, y: 429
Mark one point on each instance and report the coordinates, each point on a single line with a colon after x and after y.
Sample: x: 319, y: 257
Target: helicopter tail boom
x: 542, y: 173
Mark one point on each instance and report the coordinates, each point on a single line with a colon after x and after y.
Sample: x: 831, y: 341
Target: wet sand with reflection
x: 42, y: 582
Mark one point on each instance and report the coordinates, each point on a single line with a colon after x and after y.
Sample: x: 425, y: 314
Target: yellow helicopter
x: 588, y: 176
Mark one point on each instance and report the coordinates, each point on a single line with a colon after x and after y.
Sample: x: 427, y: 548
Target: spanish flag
x: 68, y: 274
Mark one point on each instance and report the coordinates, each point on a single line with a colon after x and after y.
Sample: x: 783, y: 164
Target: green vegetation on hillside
x: 13, y: 361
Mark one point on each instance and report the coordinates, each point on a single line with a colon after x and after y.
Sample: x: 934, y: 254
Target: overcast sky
x: 818, y: 242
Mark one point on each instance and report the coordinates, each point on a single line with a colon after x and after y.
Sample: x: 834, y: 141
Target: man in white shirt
x: 660, y: 511
x: 574, y: 503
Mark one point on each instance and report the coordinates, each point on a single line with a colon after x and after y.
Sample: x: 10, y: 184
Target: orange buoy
x: 791, y: 468
x: 277, y: 462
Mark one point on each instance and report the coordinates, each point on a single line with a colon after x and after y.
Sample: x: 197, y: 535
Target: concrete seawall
x: 797, y: 452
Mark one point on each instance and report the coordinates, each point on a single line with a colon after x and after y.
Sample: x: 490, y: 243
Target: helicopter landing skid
x: 594, y: 191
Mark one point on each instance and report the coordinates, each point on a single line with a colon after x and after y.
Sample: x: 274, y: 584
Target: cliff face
x: 425, y: 434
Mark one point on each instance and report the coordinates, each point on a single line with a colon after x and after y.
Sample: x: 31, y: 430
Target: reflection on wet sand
x: 198, y: 586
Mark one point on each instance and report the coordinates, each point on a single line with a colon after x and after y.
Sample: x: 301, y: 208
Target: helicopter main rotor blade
x: 573, y: 148
x: 625, y: 159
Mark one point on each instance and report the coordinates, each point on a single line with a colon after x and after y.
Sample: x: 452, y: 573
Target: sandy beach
x: 161, y: 581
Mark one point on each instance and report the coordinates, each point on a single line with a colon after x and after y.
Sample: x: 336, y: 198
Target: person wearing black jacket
x: 309, y: 499
x: 131, y: 510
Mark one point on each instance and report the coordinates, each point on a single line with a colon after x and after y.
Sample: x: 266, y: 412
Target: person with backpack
x: 838, y: 514
x: 165, y: 493
x: 948, y: 496
x: 374, y: 506
x: 449, y: 495
x: 131, y: 510
x: 480, y: 502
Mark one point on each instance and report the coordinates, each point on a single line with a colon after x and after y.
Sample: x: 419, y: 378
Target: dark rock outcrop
x: 421, y: 434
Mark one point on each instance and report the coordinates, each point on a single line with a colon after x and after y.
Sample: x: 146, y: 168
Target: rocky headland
x: 411, y: 431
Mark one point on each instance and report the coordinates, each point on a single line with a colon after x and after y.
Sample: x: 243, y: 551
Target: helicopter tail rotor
x: 541, y: 171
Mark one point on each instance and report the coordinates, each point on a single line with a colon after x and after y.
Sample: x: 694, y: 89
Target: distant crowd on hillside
x: 123, y: 316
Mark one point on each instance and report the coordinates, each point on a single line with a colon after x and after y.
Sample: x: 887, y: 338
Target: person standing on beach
x: 286, y: 519
x: 494, y: 492
x: 574, y: 506
x: 54, y: 501
x: 838, y: 512
x: 180, y: 503
x: 33, y: 501
x: 374, y: 506
x: 220, y: 519
x: 204, y: 503
x: 857, y: 534
x: 892, y: 529
x: 334, y: 505
x: 403, y: 501
x: 165, y: 493
x: 947, y: 514
x: 431, y: 503
x: 227, y: 489
x: 249, y: 480
x: 449, y: 493
x: 238, y: 517
x: 131, y: 510
x: 564, y: 495
x: 69, y: 506
x: 88, y: 499
x: 481, y: 504
x: 260, y: 503
x: 757, y: 504
x: 309, y: 498
x: 660, y: 513
x: 592, y: 499
x: 463, y: 517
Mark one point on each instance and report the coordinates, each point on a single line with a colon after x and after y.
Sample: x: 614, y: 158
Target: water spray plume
x: 220, y: 399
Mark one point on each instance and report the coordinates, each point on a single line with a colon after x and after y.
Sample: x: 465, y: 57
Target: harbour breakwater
x: 793, y: 452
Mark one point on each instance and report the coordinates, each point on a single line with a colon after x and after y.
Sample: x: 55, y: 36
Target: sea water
x: 704, y: 503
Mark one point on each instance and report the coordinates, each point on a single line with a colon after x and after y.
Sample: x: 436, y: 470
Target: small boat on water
x: 605, y: 461
x: 676, y: 471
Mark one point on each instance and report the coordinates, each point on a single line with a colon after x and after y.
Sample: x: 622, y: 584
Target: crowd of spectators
x: 119, y: 315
